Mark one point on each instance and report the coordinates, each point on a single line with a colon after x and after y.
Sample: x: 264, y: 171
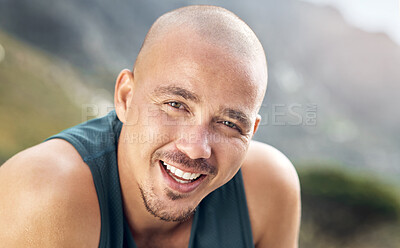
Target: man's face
x: 191, y: 116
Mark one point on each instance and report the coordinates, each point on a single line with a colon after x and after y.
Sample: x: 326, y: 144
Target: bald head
x: 214, y: 26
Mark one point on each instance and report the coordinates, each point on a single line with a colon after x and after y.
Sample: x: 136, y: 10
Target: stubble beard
x: 156, y: 207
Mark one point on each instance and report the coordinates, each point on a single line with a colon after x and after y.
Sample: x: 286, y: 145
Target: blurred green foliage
x: 339, y: 206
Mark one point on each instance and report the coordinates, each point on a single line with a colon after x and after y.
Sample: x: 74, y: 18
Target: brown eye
x: 232, y: 125
x: 176, y: 105
x: 229, y: 124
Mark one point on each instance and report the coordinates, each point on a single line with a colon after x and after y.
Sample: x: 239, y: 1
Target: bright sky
x: 369, y: 15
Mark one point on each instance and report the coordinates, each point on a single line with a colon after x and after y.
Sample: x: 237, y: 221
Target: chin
x: 176, y: 208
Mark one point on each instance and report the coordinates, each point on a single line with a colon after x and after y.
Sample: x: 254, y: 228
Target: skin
x: 47, y: 191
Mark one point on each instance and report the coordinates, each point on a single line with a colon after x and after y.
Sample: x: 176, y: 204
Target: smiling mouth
x: 179, y: 175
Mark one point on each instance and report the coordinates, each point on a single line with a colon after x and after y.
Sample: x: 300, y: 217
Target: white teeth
x: 194, y: 176
x: 177, y: 172
x: 186, y: 175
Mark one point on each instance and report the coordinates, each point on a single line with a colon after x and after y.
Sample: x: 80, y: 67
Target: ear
x: 257, y: 123
x: 123, y: 94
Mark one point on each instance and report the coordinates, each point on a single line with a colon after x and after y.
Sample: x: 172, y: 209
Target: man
x: 174, y: 165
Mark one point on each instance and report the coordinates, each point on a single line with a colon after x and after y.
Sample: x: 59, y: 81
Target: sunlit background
x: 332, y: 104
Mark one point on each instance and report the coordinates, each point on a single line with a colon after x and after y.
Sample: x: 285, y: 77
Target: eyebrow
x: 239, y: 116
x: 179, y: 91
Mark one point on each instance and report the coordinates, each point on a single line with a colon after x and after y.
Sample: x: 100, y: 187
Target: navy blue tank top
x: 220, y: 220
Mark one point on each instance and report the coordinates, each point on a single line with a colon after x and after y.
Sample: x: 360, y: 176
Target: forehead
x: 212, y: 71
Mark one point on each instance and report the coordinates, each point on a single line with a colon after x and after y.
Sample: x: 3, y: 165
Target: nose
x: 195, y: 143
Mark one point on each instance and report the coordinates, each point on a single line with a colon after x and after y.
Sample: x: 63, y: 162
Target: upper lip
x: 182, y: 168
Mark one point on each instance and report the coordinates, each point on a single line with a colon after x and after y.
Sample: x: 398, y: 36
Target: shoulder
x: 273, y: 196
x: 48, y: 198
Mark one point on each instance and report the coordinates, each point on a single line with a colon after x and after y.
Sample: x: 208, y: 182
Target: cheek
x: 152, y: 130
x: 230, y: 158
x: 141, y: 141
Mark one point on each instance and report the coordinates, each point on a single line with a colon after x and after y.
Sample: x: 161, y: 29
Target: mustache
x: 199, y: 164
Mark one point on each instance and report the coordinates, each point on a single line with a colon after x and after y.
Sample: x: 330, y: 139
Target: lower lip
x: 180, y: 187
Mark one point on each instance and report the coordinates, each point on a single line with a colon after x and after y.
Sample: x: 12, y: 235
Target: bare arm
x: 273, y: 197
x: 48, y: 199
